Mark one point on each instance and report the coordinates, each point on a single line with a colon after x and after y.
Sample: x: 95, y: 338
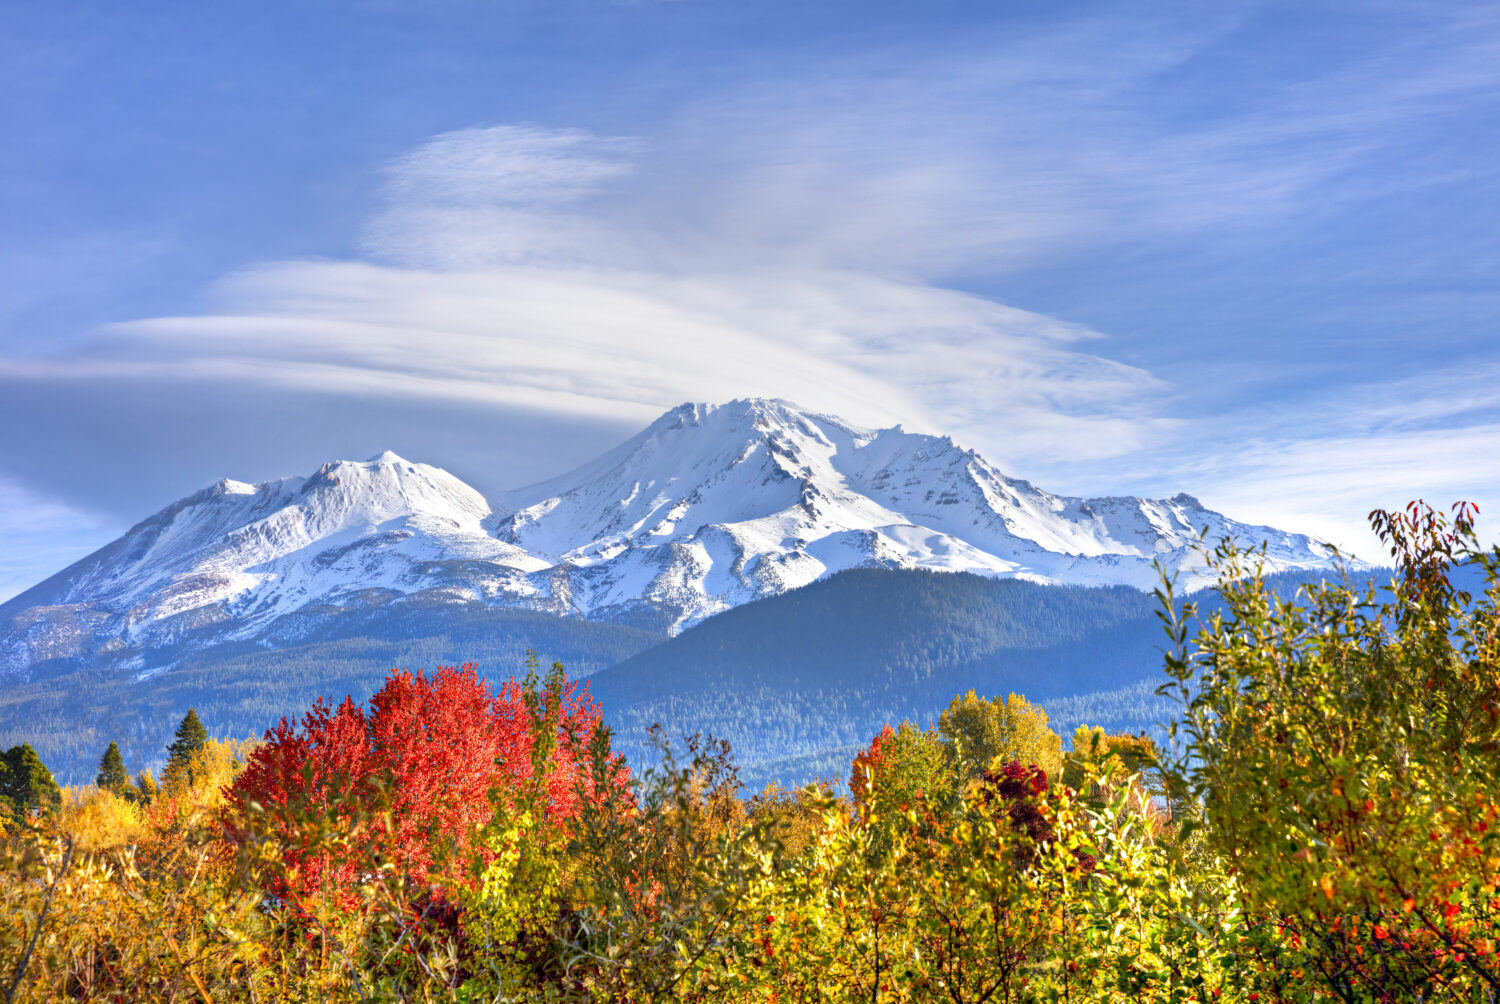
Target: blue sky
x: 1244, y: 250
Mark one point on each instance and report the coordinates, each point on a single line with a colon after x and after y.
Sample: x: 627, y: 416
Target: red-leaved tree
x: 899, y: 768
x: 869, y: 764
x: 406, y: 783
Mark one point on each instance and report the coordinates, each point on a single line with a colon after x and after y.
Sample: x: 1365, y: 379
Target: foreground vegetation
x: 1326, y: 831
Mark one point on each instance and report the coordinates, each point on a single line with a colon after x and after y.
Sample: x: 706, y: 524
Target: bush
x: 1345, y: 750
x: 405, y: 785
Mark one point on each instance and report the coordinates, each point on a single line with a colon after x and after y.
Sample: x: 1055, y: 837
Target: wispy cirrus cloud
x: 502, y: 273
x: 1322, y: 461
x: 499, y: 195
x: 36, y: 529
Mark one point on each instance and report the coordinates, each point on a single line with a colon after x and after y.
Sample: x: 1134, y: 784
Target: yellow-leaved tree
x: 1344, y: 746
x: 984, y: 731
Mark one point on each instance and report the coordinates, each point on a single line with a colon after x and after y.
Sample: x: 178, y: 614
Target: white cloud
x: 506, y: 276
x: 1320, y: 463
x: 498, y: 195
x: 1026, y: 148
x: 1325, y: 485
x: 506, y: 165
x: 42, y: 534
x: 629, y: 344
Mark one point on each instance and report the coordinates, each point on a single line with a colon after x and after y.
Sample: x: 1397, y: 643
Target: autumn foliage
x: 409, y: 780
x: 1344, y: 752
x: 871, y: 765
x: 1326, y: 827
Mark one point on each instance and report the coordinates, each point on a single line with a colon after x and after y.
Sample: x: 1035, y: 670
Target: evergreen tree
x: 112, y: 775
x: 26, y: 785
x: 191, y: 735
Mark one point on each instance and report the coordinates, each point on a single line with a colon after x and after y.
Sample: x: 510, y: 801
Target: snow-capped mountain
x: 235, y: 560
x: 707, y: 508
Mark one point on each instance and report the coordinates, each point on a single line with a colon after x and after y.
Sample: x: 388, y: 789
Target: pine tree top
x: 112, y: 774
x: 190, y: 737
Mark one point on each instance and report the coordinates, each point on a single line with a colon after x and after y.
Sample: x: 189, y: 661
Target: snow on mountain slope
x: 712, y: 506
x: 707, y: 508
x: 234, y: 557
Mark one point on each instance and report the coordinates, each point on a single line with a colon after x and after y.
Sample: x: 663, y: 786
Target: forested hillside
x: 821, y: 668
x: 70, y: 713
x: 793, y: 682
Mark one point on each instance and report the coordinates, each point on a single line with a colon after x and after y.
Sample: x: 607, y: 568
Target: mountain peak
x: 752, y: 419
x: 731, y: 414
x: 755, y: 496
x: 710, y: 506
x: 387, y: 458
x: 229, y: 486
